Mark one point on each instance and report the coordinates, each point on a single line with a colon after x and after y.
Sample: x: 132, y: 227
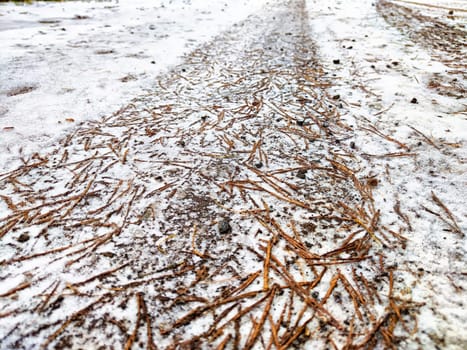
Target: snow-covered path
x: 384, y: 67
x: 64, y: 63
x: 279, y: 188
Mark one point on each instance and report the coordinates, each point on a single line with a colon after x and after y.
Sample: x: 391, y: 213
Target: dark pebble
x: 81, y: 17
x: 336, y: 61
x: 224, y: 227
x: 414, y: 100
x: 24, y: 237
x: 259, y: 165
x: 108, y: 254
x: 395, y: 63
x: 153, y: 62
x: 301, y: 174
x: 336, y: 97
x: 352, y: 145
x: 300, y: 122
x: 338, y: 297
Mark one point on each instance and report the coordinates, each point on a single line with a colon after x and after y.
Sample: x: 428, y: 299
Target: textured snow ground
x: 77, y: 74
x: 76, y: 61
x: 370, y: 82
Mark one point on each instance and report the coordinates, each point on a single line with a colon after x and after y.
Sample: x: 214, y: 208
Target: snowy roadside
x: 383, y: 78
x: 64, y: 63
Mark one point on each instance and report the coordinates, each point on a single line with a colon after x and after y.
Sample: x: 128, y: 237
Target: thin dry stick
x: 266, y: 265
x: 150, y: 345
x: 375, y: 131
x: 100, y: 275
x: 251, y: 278
x: 202, y: 309
x: 224, y: 342
x: 426, y: 138
x: 245, y: 311
x: 257, y: 329
x: 324, y: 314
x: 132, y: 337
x: 42, y: 305
x: 457, y: 9
x: 16, y: 289
x: 296, y: 334
x: 72, y: 318
x: 274, y: 335
x: 454, y: 224
x: 52, y: 251
x: 356, y: 297
x: 221, y: 316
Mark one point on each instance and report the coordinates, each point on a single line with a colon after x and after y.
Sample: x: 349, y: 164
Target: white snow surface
x: 86, y: 59
x: 375, y: 88
x: 81, y: 69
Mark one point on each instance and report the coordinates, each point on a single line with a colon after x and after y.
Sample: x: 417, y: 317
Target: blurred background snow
x: 65, y: 62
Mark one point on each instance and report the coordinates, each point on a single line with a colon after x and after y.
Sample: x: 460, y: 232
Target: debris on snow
x: 239, y: 204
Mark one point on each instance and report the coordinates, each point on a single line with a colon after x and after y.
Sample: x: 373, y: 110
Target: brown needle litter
x: 218, y: 211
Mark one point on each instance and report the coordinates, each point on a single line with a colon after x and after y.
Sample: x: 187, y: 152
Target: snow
x: 386, y: 87
x: 145, y: 173
x: 86, y: 59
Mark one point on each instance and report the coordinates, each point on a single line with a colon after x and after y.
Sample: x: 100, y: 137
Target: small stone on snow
x: 224, y: 227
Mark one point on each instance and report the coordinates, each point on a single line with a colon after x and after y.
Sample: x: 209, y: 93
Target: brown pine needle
x: 453, y: 223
